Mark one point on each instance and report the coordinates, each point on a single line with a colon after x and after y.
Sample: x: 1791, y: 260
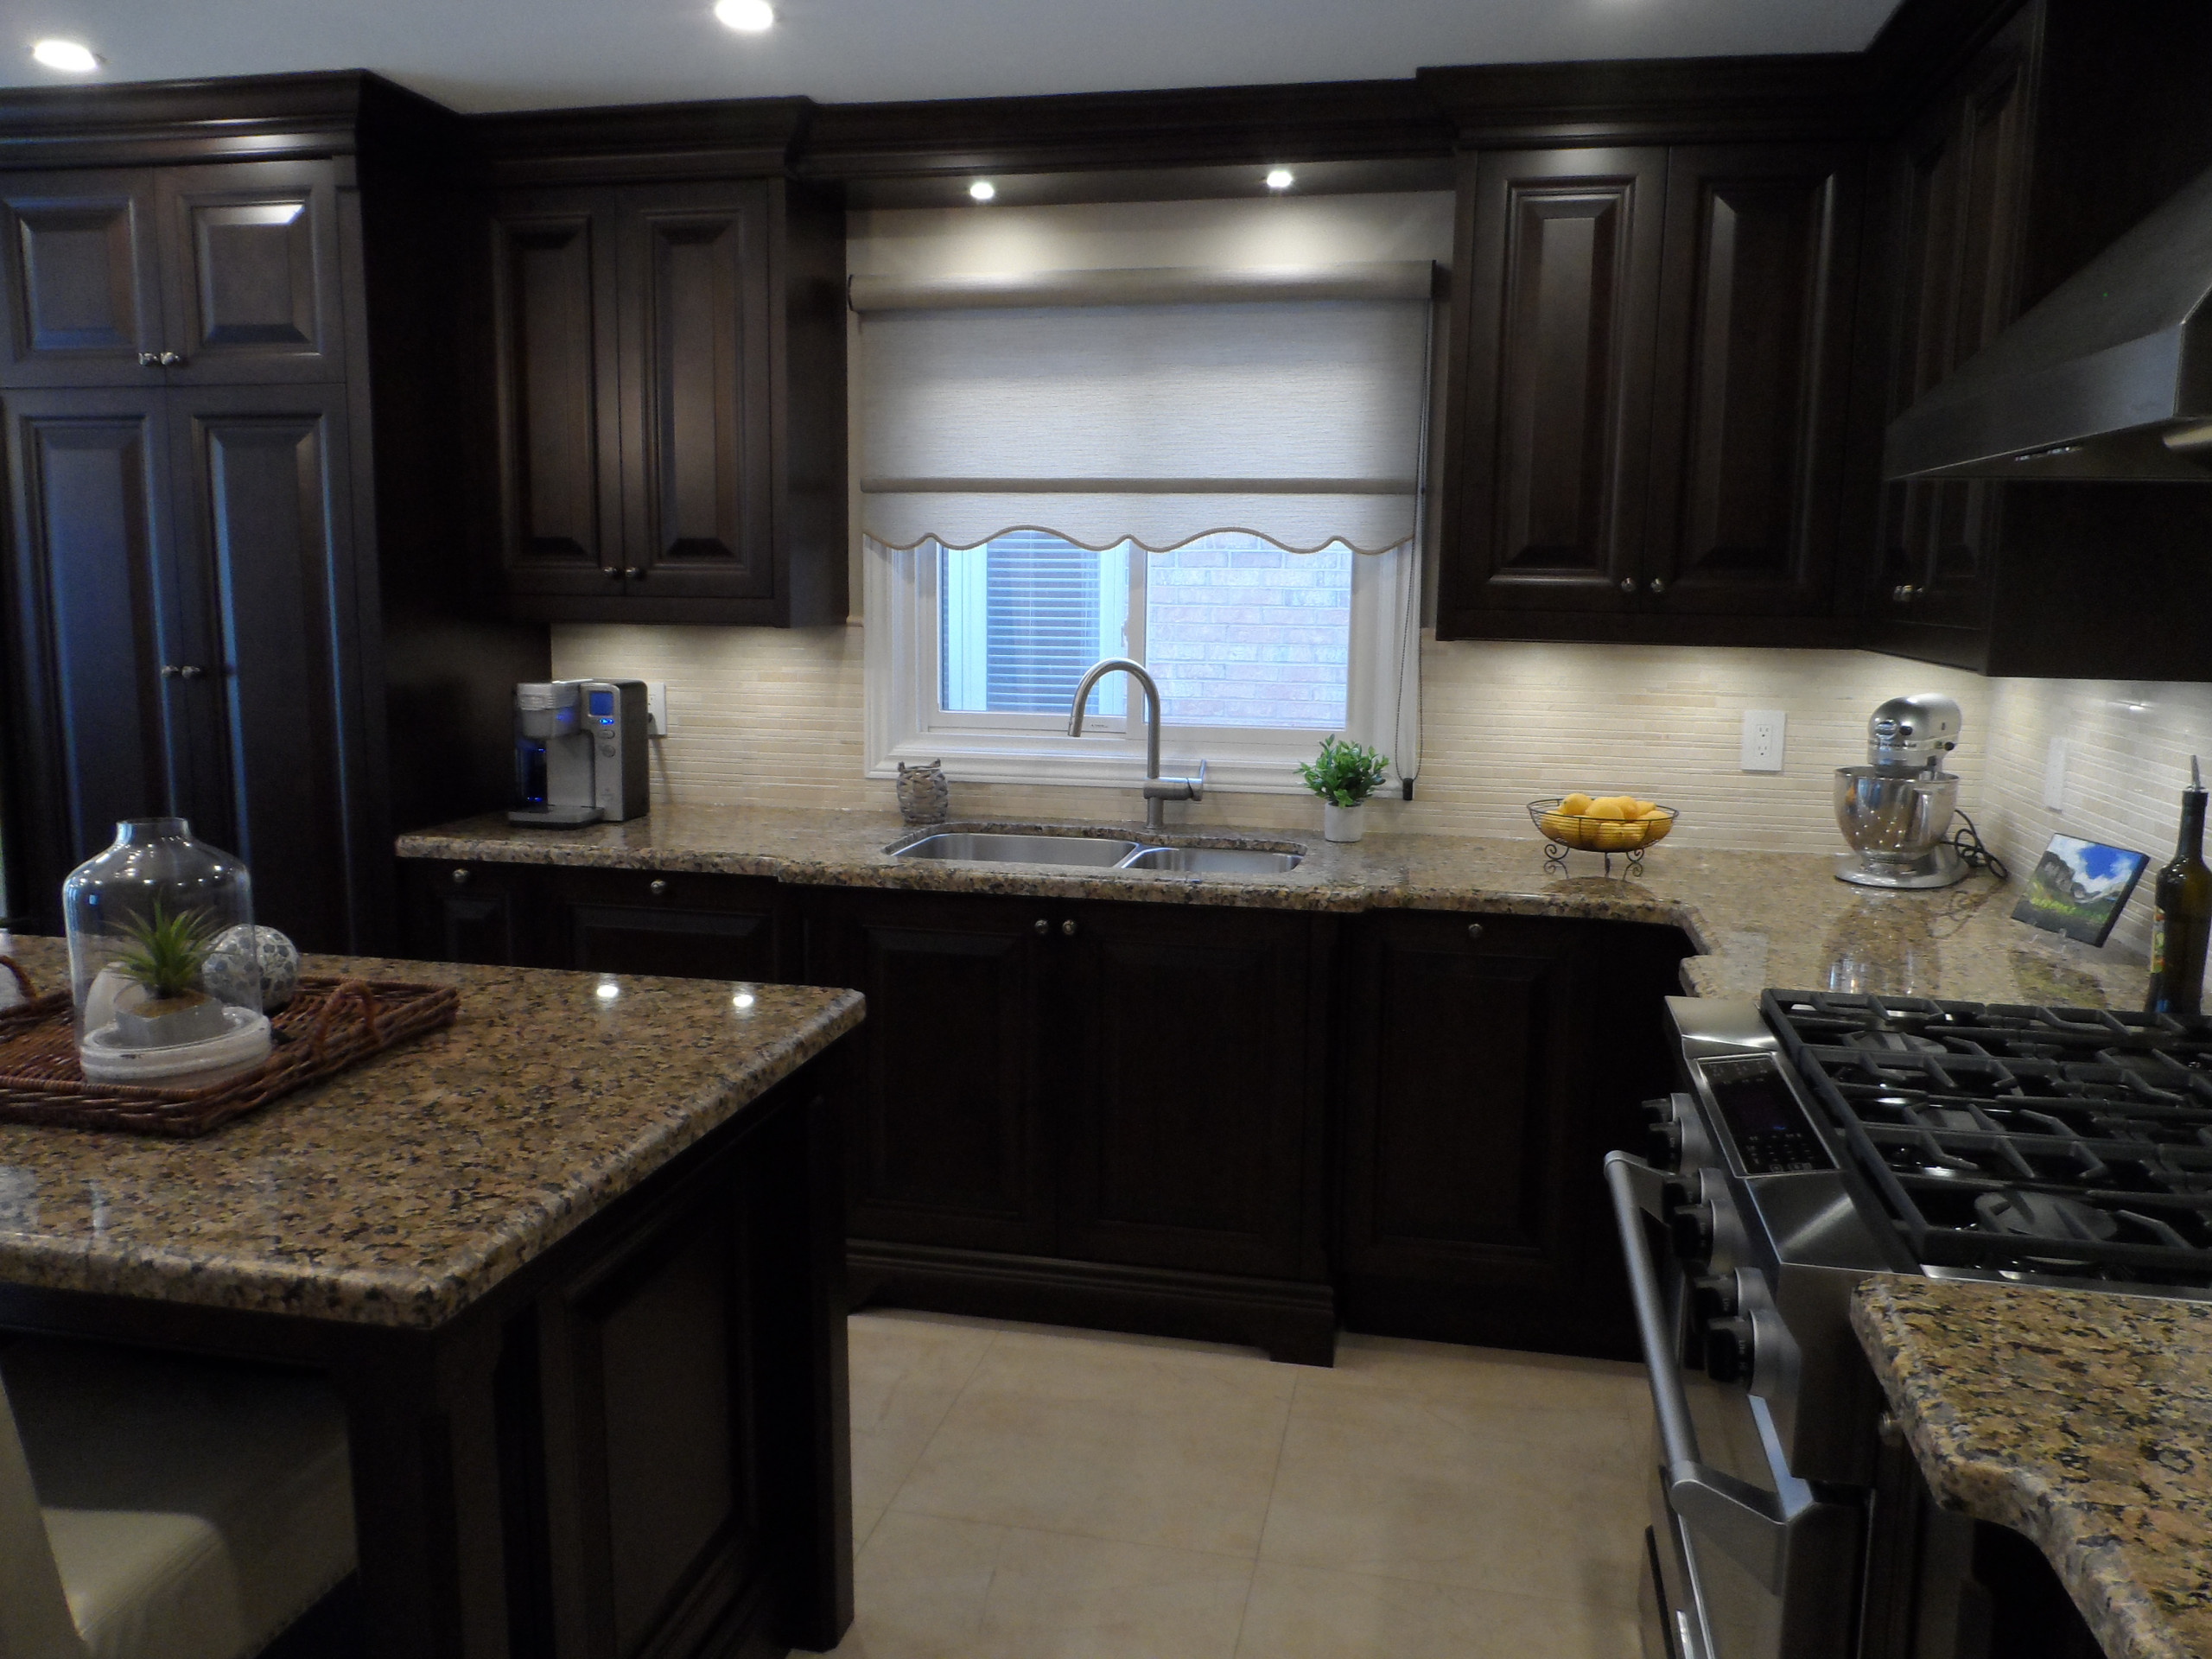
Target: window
x: 1220, y: 484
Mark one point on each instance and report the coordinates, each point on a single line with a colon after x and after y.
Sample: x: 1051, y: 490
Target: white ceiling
x: 495, y: 54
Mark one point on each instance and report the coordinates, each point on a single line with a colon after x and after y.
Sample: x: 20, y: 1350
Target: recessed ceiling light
x: 72, y: 56
x: 983, y: 190
x: 748, y: 16
x: 1281, y: 178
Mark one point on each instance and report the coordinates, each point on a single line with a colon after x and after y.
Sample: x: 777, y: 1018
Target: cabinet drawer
x: 650, y: 922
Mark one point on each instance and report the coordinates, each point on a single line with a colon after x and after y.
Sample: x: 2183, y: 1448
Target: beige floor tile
x: 1502, y: 1377
x: 905, y: 1374
x: 927, y: 1588
x: 1381, y: 1482
x: 1307, y: 1612
x: 1112, y: 1441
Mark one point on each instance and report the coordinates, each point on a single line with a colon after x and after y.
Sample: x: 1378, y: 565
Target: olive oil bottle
x: 2181, y: 925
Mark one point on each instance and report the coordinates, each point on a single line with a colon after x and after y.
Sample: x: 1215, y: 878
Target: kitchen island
x: 574, y: 1265
x: 2081, y: 1420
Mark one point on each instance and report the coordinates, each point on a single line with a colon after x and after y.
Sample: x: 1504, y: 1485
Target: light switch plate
x: 2054, y: 775
x: 656, y: 708
x: 1763, y: 731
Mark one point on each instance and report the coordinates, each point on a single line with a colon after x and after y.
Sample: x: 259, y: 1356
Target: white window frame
x: 905, y: 724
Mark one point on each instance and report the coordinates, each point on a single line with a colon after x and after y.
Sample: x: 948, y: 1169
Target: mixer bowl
x: 1893, y: 821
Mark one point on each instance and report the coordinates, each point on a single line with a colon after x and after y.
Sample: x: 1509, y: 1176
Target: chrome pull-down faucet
x: 1158, y: 791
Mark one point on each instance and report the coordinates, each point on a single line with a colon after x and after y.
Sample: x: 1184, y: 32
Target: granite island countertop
x: 1758, y: 920
x: 398, y: 1193
x: 2081, y: 1420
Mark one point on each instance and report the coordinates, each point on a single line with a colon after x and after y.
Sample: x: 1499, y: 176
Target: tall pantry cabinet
x: 231, y: 523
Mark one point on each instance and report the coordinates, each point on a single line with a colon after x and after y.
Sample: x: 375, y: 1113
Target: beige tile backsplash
x: 766, y: 716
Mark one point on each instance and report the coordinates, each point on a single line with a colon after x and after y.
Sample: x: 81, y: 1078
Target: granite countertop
x: 1758, y: 918
x: 398, y: 1193
x: 2082, y: 1419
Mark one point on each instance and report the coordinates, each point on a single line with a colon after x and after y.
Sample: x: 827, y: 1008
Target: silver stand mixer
x: 1896, y: 810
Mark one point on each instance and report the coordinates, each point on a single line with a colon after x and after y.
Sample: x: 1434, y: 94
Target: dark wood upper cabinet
x: 560, y: 494
x: 251, y: 272
x: 697, y: 458
x: 1551, y: 390
x: 1649, y: 387
x: 1754, y: 366
x: 182, y: 276
x: 667, y: 388
x: 82, y: 277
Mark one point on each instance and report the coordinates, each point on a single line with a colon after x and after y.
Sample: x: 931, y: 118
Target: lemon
x: 1655, y: 828
x: 1610, y: 807
x: 1575, y: 804
x: 1561, y: 826
x: 1618, y: 837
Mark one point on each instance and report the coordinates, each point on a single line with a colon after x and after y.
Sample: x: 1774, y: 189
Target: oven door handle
x: 1748, y: 1522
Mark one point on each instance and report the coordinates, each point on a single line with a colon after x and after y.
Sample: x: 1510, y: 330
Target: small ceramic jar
x: 924, y: 794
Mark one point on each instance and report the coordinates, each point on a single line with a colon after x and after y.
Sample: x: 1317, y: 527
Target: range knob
x: 1728, y: 1350
x: 1714, y: 1297
x: 1665, y: 1138
x: 1690, y: 1226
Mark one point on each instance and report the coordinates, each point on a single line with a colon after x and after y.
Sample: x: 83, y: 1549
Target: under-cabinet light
x: 742, y: 1000
x: 746, y: 16
x: 608, y: 990
x: 983, y: 190
x: 1281, y: 178
x: 72, y: 56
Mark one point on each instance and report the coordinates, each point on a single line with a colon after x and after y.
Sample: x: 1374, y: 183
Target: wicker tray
x: 331, y: 1024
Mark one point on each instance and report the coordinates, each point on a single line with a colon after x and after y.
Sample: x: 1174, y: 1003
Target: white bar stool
x: 153, y: 1507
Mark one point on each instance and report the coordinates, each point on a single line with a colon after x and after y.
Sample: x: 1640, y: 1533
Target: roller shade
x: 1134, y: 411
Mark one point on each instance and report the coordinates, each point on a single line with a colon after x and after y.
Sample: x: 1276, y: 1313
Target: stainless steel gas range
x: 1817, y: 1138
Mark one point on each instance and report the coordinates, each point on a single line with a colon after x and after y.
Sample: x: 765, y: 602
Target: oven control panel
x: 1763, y: 1116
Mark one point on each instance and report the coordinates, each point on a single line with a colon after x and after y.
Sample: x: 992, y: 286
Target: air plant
x: 169, y: 950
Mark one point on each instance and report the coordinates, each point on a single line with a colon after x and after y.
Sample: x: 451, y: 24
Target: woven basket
x: 330, y: 1024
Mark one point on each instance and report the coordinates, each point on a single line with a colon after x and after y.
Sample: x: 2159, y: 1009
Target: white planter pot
x: 1342, y: 823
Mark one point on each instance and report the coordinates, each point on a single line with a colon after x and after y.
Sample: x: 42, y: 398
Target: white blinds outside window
x: 1292, y: 418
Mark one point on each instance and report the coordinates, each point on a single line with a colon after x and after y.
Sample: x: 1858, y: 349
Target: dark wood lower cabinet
x: 1240, y: 1125
x: 1490, y: 1063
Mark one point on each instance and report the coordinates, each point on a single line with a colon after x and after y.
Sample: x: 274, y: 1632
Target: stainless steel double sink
x: 1097, y: 853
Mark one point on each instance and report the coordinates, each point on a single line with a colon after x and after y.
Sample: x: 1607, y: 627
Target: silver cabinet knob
x: 1068, y: 929
x: 658, y: 888
x: 149, y: 359
x: 614, y: 571
x: 635, y: 573
x: 182, y: 672
x: 460, y: 877
x: 1904, y: 593
x: 1474, y: 929
x: 1043, y: 926
x: 1658, y: 584
x: 1628, y: 584
x: 172, y: 361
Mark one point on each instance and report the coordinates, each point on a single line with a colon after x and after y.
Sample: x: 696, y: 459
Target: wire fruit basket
x: 1586, y: 832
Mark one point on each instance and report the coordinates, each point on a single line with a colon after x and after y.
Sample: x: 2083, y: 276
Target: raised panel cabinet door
x: 1551, y: 401
x: 698, y: 457
x: 945, y: 1144
x: 83, y: 278
x: 1192, y: 1097
x: 1463, y: 1073
x: 553, y: 366
x: 1753, y: 383
x: 1964, y: 177
x: 250, y: 273
x: 93, y: 619
x: 265, y: 524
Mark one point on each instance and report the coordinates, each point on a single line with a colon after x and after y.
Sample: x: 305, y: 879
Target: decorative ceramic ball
x: 278, y: 957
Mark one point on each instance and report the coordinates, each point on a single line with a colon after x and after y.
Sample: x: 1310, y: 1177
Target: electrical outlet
x: 1763, y: 738
x: 656, y: 708
x: 2054, y: 775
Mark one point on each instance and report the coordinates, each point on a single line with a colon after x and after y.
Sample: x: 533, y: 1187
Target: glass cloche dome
x: 165, y: 993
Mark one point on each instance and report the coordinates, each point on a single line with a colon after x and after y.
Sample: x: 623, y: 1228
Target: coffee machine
x: 579, y: 752
x: 1896, y: 810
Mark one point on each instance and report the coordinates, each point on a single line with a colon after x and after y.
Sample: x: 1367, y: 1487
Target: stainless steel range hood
x: 2109, y: 378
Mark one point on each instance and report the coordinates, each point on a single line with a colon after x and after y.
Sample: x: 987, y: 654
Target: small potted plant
x: 1344, y: 777
x: 164, y: 1004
